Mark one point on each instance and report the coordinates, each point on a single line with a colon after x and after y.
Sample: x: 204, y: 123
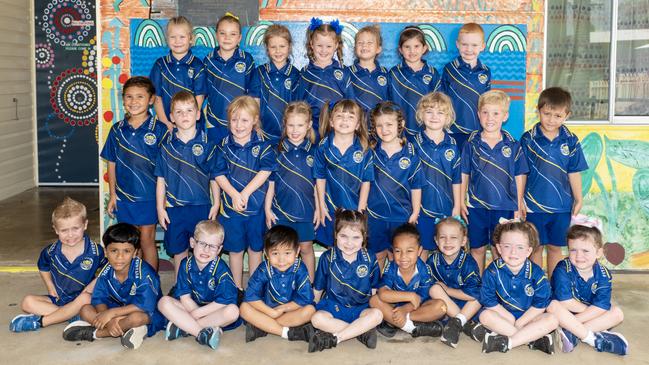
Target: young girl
x: 291, y: 198
x: 228, y: 70
x: 440, y: 165
x: 347, y: 276
x: 397, y: 179
x: 274, y: 83
x: 369, y: 79
x: 324, y: 80
x: 413, y: 77
x: 582, y: 296
x: 243, y: 164
x: 343, y: 167
x: 131, y: 150
x: 458, y: 281
x: 515, y: 293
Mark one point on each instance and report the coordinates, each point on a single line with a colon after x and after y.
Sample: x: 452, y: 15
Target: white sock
x: 337, y: 338
x: 408, y: 326
x: 590, y: 338
x: 509, y: 343
x: 94, y: 334
x: 462, y: 318
x: 285, y: 332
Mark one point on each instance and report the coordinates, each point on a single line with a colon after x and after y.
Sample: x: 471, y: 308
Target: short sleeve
x: 577, y: 161
x: 182, y: 280
x: 156, y: 76
x: 520, y: 162
x: 488, y: 297
x: 268, y: 159
x: 249, y: 71
x: 303, y: 294
x: 100, y: 292
x: 348, y: 90
x: 542, y: 292
x: 436, y: 82
x: 471, y: 281
x: 45, y: 260
x: 220, y: 163
x: 255, y: 83
x: 368, y: 167
x: 465, y: 164
x: 146, y: 295
x: 375, y: 274
x: 200, y: 81
x: 416, y: 177
x: 426, y: 281
x: 387, y: 279
x: 561, y: 282
x: 319, y: 163
x: 160, y: 164
x: 602, y: 297
x: 109, y: 152
x: 488, y: 84
x: 456, y: 170
x: 320, y: 281
x: 257, y: 284
x: 226, y: 289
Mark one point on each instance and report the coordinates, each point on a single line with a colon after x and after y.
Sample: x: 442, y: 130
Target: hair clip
x: 315, y: 24
x: 504, y: 220
x: 456, y: 217
x: 586, y: 221
x: 231, y: 15
x: 335, y: 25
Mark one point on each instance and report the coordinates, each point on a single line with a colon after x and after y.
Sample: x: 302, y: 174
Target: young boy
x: 205, y: 296
x: 553, y: 186
x: 124, y: 300
x: 68, y: 269
x: 465, y: 79
x: 403, y: 294
x: 279, y: 297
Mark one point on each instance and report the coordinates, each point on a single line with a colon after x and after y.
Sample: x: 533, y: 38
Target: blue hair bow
x: 335, y: 24
x: 456, y: 217
x: 317, y: 22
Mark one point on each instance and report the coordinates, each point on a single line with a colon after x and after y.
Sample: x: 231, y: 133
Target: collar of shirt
x: 254, y: 139
x: 426, y: 69
x: 329, y: 143
x: 236, y: 56
x: 414, y: 275
x: 286, y: 69
x: 334, y: 64
x: 288, y: 146
x: 507, y: 139
x: 209, y: 268
x: 383, y: 156
x: 525, y: 271
x: 149, y: 124
x: 272, y: 271
x: 134, y: 270
x: 361, y: 256
x: 200, y: 137
x: 87, y: 248
x: 460, y: 64
x: 187, y: 59
x: 358, y: 69
x: 537, y: 133
x: 423, y: 139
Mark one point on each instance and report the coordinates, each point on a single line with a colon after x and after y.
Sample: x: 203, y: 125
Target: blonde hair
x: 277, y: 30
x: 354, y: 218
x: 325, y: 30
x: 183, y: 96
x: 471, y: 28
x: 435, y: 100
x: 387, y: 108
x: 181, y: 20
x: 297, y: 108
x: 525, y: 228
x: 247, y: 103
x: 453, y: 221
x: 209, y: 227
x: 228, y: 18
x: 69, y: 208
x: 374, y: 30
x: 344, y: 106
x: 494, y: 97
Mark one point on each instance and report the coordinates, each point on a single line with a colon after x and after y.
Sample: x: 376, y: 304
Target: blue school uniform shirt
x: 420, y: 282
x: 275, y: 287
x: 240, y: 164
x: 213, y: 283
x: 225, y: 80
x: 492, y: 172
x: 275, y: 88
x: 568, y: 284
x: 408, y: 86
x: 464, y: 85
x: 548, y: 188
x: 516, y: 293
x: 170, y: 75
x: 440, y: 166
x: 294, y: 198
x: 348, y: 284
x: 134, y: 152
x: 187, y: 169
x: 394, y: 179
x: 70, y: 278
x: 462, y: 273
x: 345, y: 173
x: 370, y: 87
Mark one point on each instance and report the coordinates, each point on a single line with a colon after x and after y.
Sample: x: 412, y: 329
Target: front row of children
x: 513, y: 303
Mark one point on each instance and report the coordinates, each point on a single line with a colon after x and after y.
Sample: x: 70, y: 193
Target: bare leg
x: 308, y: 256
x: 147, y: 243
x: 221, y: 317
x: 368, y: 319
x: 555, y: 254
x: 236, y: 265
x: 428, y: 311
x: 177, y: 259
x: 479, y: 255
x: 254, y: 259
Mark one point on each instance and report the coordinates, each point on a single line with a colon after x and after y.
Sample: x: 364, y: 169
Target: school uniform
x: 462, y: 274
x: 568, y: 284
x: 275, y: 287
x: 420, y: 282
x: 213, y: 283
x: 370, y: 87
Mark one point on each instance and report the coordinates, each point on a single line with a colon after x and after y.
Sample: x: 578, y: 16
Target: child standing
x: 369, y: 78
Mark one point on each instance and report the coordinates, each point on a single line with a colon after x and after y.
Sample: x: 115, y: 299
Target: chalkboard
x: 206, y: 12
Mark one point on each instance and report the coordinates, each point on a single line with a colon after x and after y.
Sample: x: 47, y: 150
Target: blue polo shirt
x: 440, y: 166
x: 70, y: 278
x: 394, y: 179
x: 134, y: 152
x: 408, y: 86
x: 548, y: 187
x: 275, y: 88
x: 294, y: 198
x: 464, y: 85
x: 187, y: 169
x: 517, y: 293
x: 492, y: 172
x: 349, y: 284
x: 420, y: 282
x: 170, y: 75
x: 370, y: 87
x: 345, y: 173
x: 462, y: 273
x: 568, y: 284
x: 213, y: 283
x: 225, y: 80
x: 275, y: 287
x: 240, y: 164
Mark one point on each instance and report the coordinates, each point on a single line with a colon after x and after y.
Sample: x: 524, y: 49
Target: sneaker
x: 79, y: 331
x: 567, y: 340
x: 432, y: 329
x: 368, y: 338
x: 612, y: 342
x: 451, y: 332
x: 25, y: 322
x: 545, y: 344
x: 495, y: 342
x: 386, y: 329
x: 475, y: 330
x: 134, y: 337
x: 321, y: 340
x: 172, y: 332
x: 253, y: 333
x: 210, y: 337
x: 74, y: 319
x: 301, y: 333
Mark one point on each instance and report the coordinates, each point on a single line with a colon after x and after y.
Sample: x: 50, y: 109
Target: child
x: 347, y: 276
x: 493, y: 169
x: 179, y: 70
x: 228, y: 70
x: 324, y: 80
x: 124, y: 300
x: 440, y: 165
x: 67, y: 268
x: 458, y: 281
x: 413, y: 77
x: 582, y: 296
x: 291, y: 199
x: 465, y: 79
x: 131, y: 150
x: 403, y: 295
x: 553, y: 187
x: 185, y: 171
x: 279, y: 297
x: 205, y: 299
x: 343, y: 166
x: 397, y: 179
x: 274, y: 84
x: 369, y: 79
x: 244, y: 162
x: 515, y: 293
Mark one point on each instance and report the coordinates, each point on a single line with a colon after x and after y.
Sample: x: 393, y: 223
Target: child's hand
x: 324, y: 216
x: 415, y: 300
x: 244, y: 200
x: 114, y: 328
x: 457, y: 210
x: 399, y: 316
x: 576, y: 206
x: 316, y: 219
x: 111, y: 206
x: 271, y: 218
x: 413, y: 218
x: 237, y: 202
x: 282, y: 308
x: 102, y: 319
x: 276, y: 313
x: 163, y: 218
x: 465, y: 212
x: 214, y: 212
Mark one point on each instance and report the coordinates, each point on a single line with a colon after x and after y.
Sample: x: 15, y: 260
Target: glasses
x: 204, y: 245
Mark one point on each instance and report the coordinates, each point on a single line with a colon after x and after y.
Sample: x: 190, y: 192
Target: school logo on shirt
x: 197, y: 149
x: 150, y: 139
x: 362, y: 271
x: 240, y: 66
x: 382, y: 80
x: 133, y: 290
x: 404, y: 162
x: 529, y: 291
x: 427, y: 78
x: 309, y: 161
x: 211, y: 284
x: 565, y: 150
x: 338, y: 74
x: 358, y: 156
x: 507, y: 151
x: 86, y: 264
x: 482, y: 78
x: 449, y: 154
x: 287, y: 84
x: 459, y: 280
x: 255, y: 151
x: 190, y: 73
x: 593, y: 288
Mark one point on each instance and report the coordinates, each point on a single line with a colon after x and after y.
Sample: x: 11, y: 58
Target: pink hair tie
x: 586, y: 221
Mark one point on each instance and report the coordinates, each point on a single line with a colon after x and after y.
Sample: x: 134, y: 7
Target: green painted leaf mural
x: 592, y: 146
x: 641, y: 189
x: 631, y: 153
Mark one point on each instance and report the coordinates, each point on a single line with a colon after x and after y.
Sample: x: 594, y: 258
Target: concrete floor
x: 25, y: 228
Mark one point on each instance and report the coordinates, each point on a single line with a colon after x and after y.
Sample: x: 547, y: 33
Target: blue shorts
x: 136, y: 213
x: 552, y: 227
x: 181, y: 228
x: 426, y: 228
x: 379, y: 234
x: 243, y: 232
x: 58, y: 301
x: 339, y: 311
x: 325, y: 235
x: 305, y: 231
x: 482, y: 223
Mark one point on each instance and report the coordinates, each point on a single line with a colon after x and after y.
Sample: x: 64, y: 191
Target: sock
x: 337, y: 338
x: 408, y: 326
x: 285, y: 332
x: 590, y: 339
x: 509, y: 343
x: 94, y: 334
x: 40, y: 321
x: 462, y: 318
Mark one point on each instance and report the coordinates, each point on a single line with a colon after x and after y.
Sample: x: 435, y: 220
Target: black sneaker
x: 451, y: 332
x: 321, y: 340
x: 432, y: 329
x: 495, y: 342
x: 79, y: 331
x: 475, y: 330
x: 368, y: 338
x: 253, y: 333
x: 240, y: 295
x: 545, y: 344
x: 301, y: 333
x: 386, y: 329
x: 210, y: 337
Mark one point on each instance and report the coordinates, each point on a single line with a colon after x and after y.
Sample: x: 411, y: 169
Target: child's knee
x: 138, y: 319
x: 231, y: 312
x: 83, y: 299
x: 375, y: 302
x: 165, y: 303
x: 554, y: 307
x: 617, y: 313
x: 439, y: 305
x: 308, y: 310
x: 245, y: 310
x: 375, y: 315
x: 27, y: 304
x: 436, y: 291
x: 318, y: 319
x: 306, y: 249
